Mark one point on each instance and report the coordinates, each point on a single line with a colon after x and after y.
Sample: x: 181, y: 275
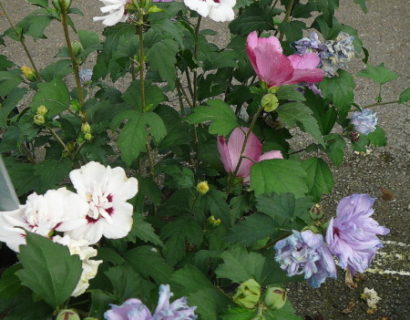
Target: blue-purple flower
x: 86, y: 75
x: 311, y: 43
x: 352, y: 235
x: 364, y: 121
x: 306, y: 253
x: 134, y: 309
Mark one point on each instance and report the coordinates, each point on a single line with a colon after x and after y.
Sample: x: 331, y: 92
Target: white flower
x: 106, y: 190
x: 217, y: 10
x: 56, y: 210
x: 371, y: 297
x: 85, y: 252
x: 116, y: 12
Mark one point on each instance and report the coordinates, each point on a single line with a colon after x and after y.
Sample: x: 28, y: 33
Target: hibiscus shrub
x: 187, y: 181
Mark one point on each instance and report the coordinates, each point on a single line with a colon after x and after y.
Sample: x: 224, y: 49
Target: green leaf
x: 379, y: 74
x: 134, y: 136
x: 278, y: 176
x: 280, y: 207
x: 222, y: 117
x: 100, y: 300
x: 293, y: 30
x: 339, y: 90
x: 291, y: 93
x: 239, y: 314
x: 362, y: 4
x: 126, y: 282
x: 240, y: 265
x: 252, y: 18
x: 405, y: 96
x: 54, y: 95
x: 34, y: 24
x: 149, y: 263
x: 244, y: 232
x: 325, y: 114
x: 191, y: 279
x: 217, y: 205
x: 9, y: 283
x: 378, y: 137
x: 162, y: 58
x: 285, y: 313
x: 51, y: 172
x: 152, y: 93
x: 90, y: 42
x: 144, y: 231
x: 9, y: 103
x: 58, y: 69
x: 48, y: 269
x: 9, y: 80
x: 297, y: 113
x: 243, y: 3
x: 319, y: 177
x: 41, y: 3
x: 335, y: 148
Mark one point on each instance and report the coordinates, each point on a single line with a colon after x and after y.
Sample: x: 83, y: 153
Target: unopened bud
x: 39, y: 119
x: 275, y: 297
x: 85, y: 128
x: 273, y: 89
x: 269, y: 102
x: 202, y: 187
x: 62, y: 5
x: 28, y: 73
x: 75, y: 106
x: 77, y: 47
x: 213, y: 221
x: 316, y: 212
x: 42, y: 110
x: 88, y: 136
x: 68, y: 315
x: 248, y: 294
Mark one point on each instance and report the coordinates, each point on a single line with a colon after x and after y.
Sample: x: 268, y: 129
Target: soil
x: 383, y: 173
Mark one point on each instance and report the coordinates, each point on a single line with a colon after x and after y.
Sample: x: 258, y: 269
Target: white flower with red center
x: 85, y: 252
x: 56, y: 210
x: 106, y: 190
x: 115, y: 12
x: 217, y: 10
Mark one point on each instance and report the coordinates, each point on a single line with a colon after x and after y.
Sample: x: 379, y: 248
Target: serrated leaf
x: 33, y: 24
x: 379, y: 74
x: 285, y: 313
x: 216, y: 202
x: 144, y: 231
x: 9, y: 80
x: 48, y: 269
x: 404, y: 96
x: 278, y: 206
x: 252, y: 18
x: 293, y: 30
x: 222, y: 117
x: 191, y: 279
x: 291, y: 93
x: 339, y: 90
x: 240, y: 265
x: 378, y: 137
x: 239, y: 314
x: 41, y: 3
x: 54, y: 95
x: 279, y: 176
x: 126, y: 282
x: 251, y: 229
x: 335, y: 148
x: 297, y: 113
x: 319, y: 177
x: 152, y: 93
x: 59, y: 69
x: 51, y: 172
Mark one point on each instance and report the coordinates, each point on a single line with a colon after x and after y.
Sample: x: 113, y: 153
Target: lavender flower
x: 85, y: 75
x: 134, y: 309
x: 352, y: 235
x: 177, y: 310
x: 364, y: 121
x: 309, y: 44
x: 306, y: 253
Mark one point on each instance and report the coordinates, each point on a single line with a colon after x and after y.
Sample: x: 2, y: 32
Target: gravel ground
x: 385, y: 33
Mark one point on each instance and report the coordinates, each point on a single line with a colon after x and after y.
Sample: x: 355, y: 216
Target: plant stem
x: 380, y: 104
x: 76, y: 70
x: 289, y: 9
x: 188, y: 78
x: 57, y: 137
x: 141, y: 59
x: 196, y: 48
x: 182, y: 91
x: 23, y: 44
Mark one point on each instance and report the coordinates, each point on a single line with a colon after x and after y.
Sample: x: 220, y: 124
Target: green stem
x: 379, y: 104
x: 57, y: 137
x: 181, y: 89
x: 76, y: 70
x: 141, y: 59
x: 188, y: 78
x: 289, y: 9
x: 23, y: 44
x: 196, y: 49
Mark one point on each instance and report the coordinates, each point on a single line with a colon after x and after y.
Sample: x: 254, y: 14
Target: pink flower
x: 276, y: 69
x: 230, y: 152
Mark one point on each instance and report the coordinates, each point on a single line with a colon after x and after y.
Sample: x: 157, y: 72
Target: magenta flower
x: 276, y: 69
x: 352, y: 235
x: 230, y: 152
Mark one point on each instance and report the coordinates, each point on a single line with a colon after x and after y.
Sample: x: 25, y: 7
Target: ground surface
x: 385, y: 32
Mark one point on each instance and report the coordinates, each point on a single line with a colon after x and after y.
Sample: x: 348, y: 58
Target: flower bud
x: 42, y: 110
x: 68, y: 315
x: 275, y: 298
x: 62, y: 5
x: 88, y: 136
x: 75, y: 106
x: 85, y: 128
x: 248, y: 293
x: 213, y: 221
x: 39, y: 119
x: 202, y: 187
x: 269, y: 102
x: 28, y: 73
x: 77, y: 47
x: 316, y: 212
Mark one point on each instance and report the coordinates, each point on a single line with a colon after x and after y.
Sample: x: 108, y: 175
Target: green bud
x: 42, y: 110
x: 214, y: 221
x: 88, y: 136
x: 202, y: 187
x: 269, y: 102
x: 75, y: 106
x: 68, y: 315
x: 248, y: 293
x: 28, y: 73
x: 62, y: 5
x: 77, y: 47
x: 39, y: 119
x: 316, y: 212
x: 314, y: 229
x: 273, y: 89
x: 154, y: 8
x: 275, y: 298
x: 85, y: 128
